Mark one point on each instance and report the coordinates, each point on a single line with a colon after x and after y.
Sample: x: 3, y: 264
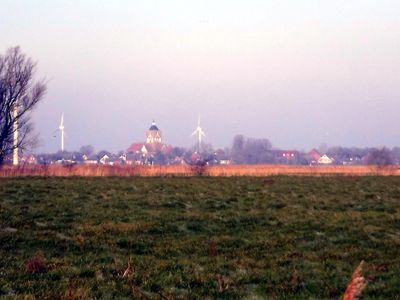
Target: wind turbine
x: 61, y: 128
x: 199, y: 132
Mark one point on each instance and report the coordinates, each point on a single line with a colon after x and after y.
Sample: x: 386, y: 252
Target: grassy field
x: 198, y: 237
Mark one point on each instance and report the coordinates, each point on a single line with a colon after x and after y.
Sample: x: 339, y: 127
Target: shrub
x: 36, y: 264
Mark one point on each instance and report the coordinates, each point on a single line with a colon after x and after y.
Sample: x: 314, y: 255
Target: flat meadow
x: 279, y: 237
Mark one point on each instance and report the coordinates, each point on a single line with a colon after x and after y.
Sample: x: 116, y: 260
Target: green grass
x: 269, y: 238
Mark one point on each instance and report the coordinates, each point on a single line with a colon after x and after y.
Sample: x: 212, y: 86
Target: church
x: 144, y: 153
x: 153, y: 135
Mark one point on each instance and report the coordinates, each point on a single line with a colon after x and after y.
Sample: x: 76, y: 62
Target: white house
x: 325, y: 160
x: 104, y: 159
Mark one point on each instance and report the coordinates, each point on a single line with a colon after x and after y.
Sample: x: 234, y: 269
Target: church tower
x: 153, y: 135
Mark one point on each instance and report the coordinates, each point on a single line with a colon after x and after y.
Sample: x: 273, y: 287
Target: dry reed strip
x: 185, y: 170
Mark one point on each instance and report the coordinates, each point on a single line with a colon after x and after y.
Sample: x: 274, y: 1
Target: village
x: 154, y: 151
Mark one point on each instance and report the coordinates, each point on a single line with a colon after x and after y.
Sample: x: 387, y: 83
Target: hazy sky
x: 299, y: 72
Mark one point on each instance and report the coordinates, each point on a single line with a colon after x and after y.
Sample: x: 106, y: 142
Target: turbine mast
x: 199, y: 140
x: 62, y: 132
x: 200, y: 134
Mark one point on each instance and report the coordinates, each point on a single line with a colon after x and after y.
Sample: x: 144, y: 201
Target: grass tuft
x: 36, y: 264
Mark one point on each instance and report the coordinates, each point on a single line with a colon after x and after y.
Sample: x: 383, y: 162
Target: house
x: 28, y: 159
x: 312, y: 157
x: 122, y: 159
x: 325, y: 160
x: 283, y: 156
x: 222, y: 157
x: 89, y: 160
x: 104, y: 159
x: 288, y: 154
x: 138, y: 148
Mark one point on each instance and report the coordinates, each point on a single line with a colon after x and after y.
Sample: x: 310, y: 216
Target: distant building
x: 325, y: 160
x: 104, y: 159
x: 29, y: 159
x: 221, y: 157
x: 153, y: 135
x: 89, y: 160
x: 312, y: 157
x: 284, y: 156
x: 138, y: 148
x: 288, y: 154
x: 145, y: 153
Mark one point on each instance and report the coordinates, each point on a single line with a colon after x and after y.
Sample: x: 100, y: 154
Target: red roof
x: 153, y: 147
x: 314, y: 154
x: 135, y: 148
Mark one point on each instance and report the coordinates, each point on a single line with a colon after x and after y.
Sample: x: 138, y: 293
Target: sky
x: 298, y: 72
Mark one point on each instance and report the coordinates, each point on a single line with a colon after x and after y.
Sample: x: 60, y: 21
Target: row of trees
x: 251, y: 151
x: 376, y: 156
x: 256, y: 151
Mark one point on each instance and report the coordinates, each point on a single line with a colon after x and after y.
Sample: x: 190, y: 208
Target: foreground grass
x: 251, y: 238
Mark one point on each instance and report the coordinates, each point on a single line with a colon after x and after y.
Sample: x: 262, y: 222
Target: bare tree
x: 251, y: 151
x: 19, y: 95
x: 87, y: 150
x: 379, y: 157
x: 237, y: 151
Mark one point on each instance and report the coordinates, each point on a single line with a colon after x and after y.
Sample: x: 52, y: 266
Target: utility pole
x: 15, y: 136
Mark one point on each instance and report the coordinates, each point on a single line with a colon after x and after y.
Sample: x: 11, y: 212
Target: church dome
x: 153, y: 126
